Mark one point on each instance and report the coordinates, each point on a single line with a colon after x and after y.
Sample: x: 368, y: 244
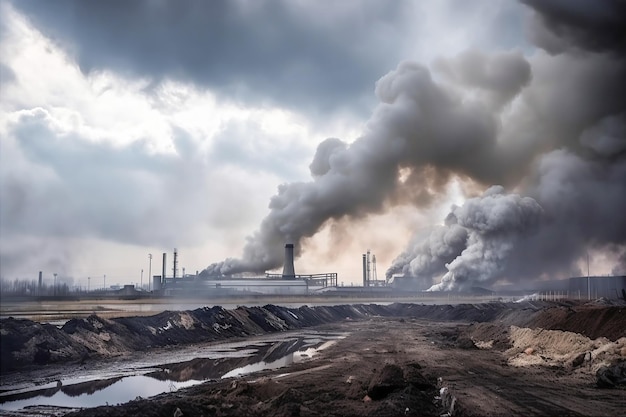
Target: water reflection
x: 147, y: 382
x: 119, y: 391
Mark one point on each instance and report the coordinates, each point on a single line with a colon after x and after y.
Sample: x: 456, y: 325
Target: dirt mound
x: 591, y: 321
x: 558, y: 348
x: 27, y: 343
x: 385, y: 381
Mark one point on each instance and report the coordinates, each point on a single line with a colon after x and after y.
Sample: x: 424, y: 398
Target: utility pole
x: 105, y: 282
x: 141, y: 279
x: 88, y: 284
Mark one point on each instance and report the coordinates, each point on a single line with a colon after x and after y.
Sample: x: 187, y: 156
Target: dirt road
x: 404, y: 359
x: 394, y: 367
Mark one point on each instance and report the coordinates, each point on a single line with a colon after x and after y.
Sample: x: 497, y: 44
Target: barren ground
x: 416, y: 366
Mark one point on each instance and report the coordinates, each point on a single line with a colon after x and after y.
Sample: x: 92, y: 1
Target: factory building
x: 287, y: 283
x: 594, y: 287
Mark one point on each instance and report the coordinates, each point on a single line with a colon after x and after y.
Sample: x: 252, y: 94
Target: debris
x: 612, y: 376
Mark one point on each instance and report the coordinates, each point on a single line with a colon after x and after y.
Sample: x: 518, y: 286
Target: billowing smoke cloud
x: 429, y: 252
x: 494, y: 224
x: 475, y: 243
x: 549, y: 127
x: 418, y: 123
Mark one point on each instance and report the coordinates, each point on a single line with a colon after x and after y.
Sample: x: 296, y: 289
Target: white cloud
x: 97, y: 160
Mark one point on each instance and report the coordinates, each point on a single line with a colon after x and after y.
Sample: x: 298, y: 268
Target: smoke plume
x: 548, y: 128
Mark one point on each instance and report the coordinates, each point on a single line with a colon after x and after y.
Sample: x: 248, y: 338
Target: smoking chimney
x: 288, y: 269
x: 40, y: 283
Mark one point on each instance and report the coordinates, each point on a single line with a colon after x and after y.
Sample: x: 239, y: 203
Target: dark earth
x: 400, y: 359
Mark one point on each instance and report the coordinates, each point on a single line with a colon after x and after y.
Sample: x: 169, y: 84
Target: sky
x: 463, y: 143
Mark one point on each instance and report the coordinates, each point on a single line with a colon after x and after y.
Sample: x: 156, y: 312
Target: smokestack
x: 163, y: 274
x: 364, y: 271
x: 368, y: 275
x: 175, y: 262
x: 288, y: 269
x: 40, y: 281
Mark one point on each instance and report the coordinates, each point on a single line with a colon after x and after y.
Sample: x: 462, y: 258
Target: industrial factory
x: 287, y: 283
x: 290, y: 283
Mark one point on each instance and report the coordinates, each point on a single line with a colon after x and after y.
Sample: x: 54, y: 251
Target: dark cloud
x: 588, y: 24
x: 297, y: 54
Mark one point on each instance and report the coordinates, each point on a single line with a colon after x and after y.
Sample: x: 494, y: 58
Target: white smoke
x: 494, y: 224
x: 429, y: 252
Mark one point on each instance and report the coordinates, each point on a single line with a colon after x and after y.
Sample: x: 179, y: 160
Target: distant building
x: 598, y: 286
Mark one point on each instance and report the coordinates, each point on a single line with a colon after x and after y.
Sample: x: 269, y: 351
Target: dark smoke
x: 550, y: 128
x: 593, y: 25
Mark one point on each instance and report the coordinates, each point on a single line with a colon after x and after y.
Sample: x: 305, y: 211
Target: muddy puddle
x: 117, y: 382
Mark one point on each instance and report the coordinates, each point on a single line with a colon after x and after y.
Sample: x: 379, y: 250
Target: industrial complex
x: 287, y: 283
x: 291, y: 283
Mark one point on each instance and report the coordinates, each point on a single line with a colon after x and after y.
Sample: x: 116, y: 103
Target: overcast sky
x: 129, y: 128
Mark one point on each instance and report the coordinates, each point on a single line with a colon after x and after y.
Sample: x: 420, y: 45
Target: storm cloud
x: 298, y: 54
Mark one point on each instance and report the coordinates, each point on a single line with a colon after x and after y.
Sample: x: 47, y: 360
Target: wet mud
x: 403, y: 359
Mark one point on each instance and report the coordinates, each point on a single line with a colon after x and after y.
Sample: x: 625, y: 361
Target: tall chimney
x: 175, y: 262
x: 368, y: 268
x: 163, y: 274
x: 40, y: 283
x: 364, y: 271
x: 288, y: 269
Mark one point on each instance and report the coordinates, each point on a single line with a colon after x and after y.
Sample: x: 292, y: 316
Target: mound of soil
x: 27, y: 343
x: 401, y: 359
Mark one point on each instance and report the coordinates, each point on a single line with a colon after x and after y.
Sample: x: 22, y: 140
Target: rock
x: 465, y: 343
x: 367, y: 399
x: 178, y: 413
x: 579, y: 360
x: 612, y: 376
x: 529, y: 351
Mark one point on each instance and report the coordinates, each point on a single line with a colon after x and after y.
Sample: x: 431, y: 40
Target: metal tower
x: 374, y: 275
